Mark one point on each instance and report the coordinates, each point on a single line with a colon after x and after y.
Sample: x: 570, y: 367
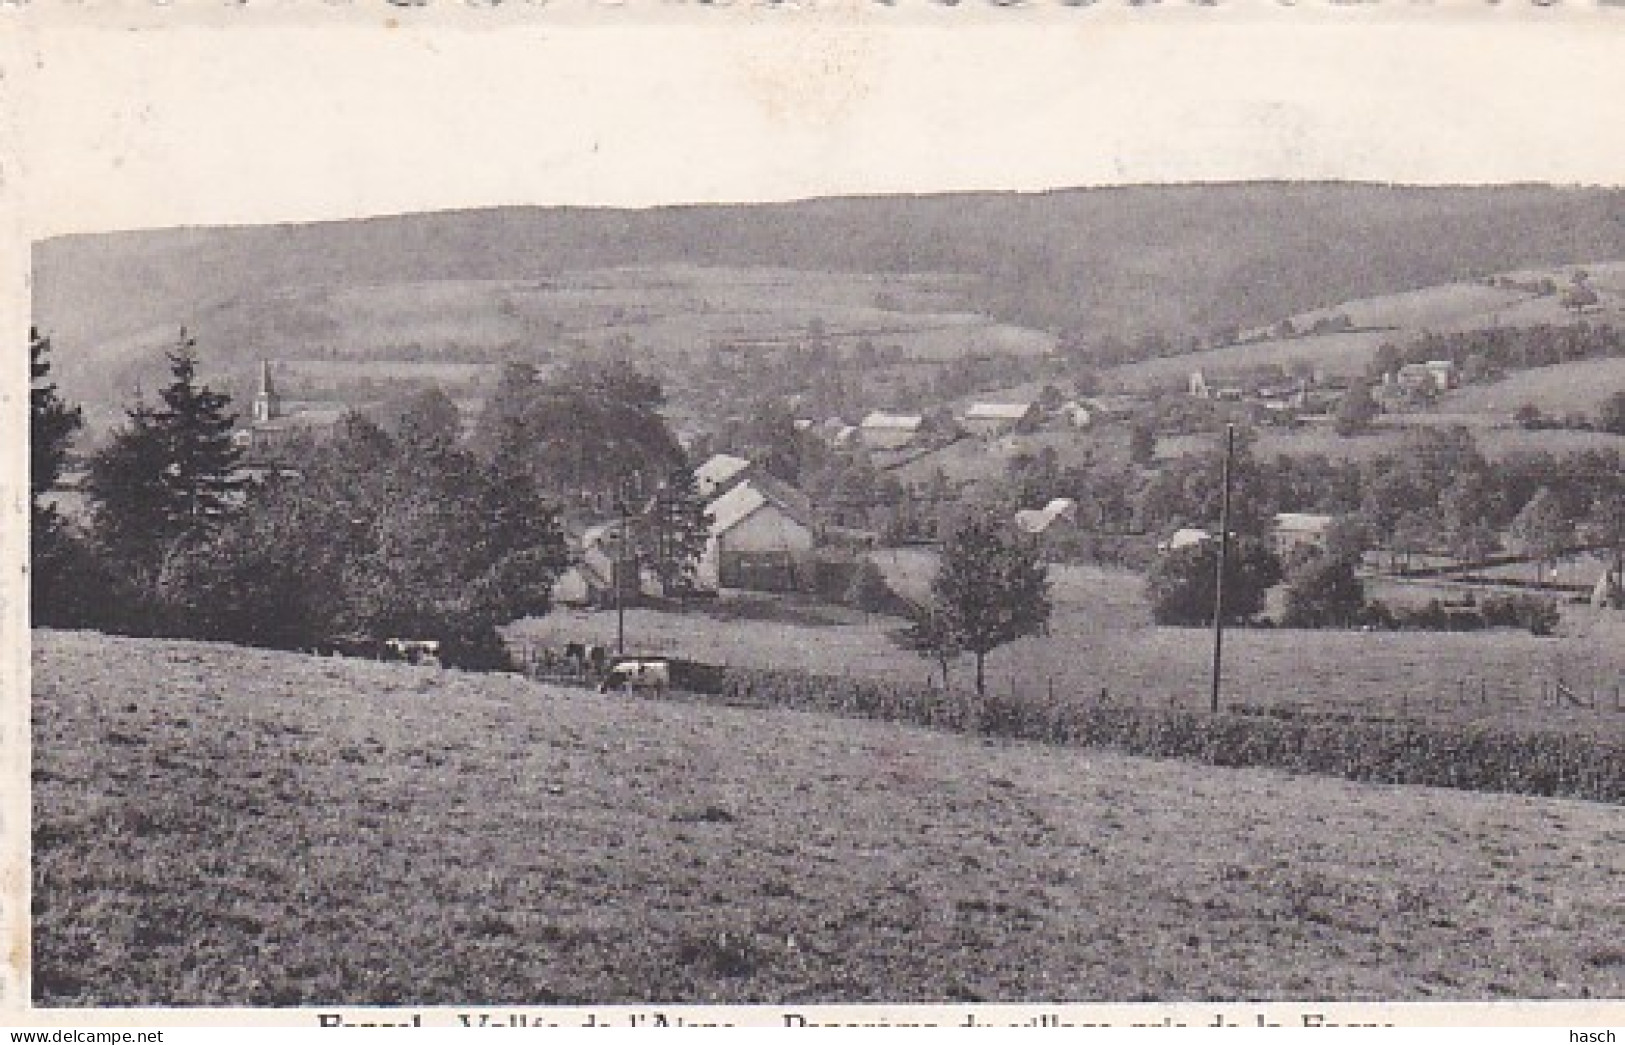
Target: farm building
x: 883, y: 431
x: 1436, y: 375
x: 1296, y: 530
x: 719, y: 474
x: 1185, y: 537
x: 761, y: 538
x: 1041, y: 520
x: 995, y: 419
x: 1113, y: 407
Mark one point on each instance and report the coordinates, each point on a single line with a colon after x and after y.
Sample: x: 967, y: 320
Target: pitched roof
x: 719, y: 470
x: 997, y: 411
x: 1303, y: 522
x: 902, y: 422
x: 749, y: 497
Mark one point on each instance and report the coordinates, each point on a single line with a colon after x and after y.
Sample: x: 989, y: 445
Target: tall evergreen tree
x: 59, y: 565
x: 170, y: 473
x: 674, y: 530
x: 52, y: 423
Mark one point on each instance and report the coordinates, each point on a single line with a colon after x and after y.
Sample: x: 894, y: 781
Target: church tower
x: 267, y: 404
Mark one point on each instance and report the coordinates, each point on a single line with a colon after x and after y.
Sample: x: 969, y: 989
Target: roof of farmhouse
x: 905, y: 422
x: 997, y: 411
x: 719, y: 469
x: 749, y: 497
x: 1305, y: 521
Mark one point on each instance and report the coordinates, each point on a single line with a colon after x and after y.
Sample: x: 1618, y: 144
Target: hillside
x: 1396, y: 318
x: 1184, y: 259
x: 217, y: 826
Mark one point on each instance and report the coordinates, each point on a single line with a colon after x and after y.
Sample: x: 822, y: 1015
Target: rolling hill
x: 1018, y: 267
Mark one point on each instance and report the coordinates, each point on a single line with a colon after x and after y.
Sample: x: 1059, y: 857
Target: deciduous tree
x: 991, y: 588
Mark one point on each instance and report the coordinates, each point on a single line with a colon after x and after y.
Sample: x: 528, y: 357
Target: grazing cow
x: 637, y: 674
x: 413, y: 651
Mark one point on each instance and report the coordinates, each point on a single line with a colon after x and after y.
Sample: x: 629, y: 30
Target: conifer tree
x: 675, y: 530
x: 170, y: 473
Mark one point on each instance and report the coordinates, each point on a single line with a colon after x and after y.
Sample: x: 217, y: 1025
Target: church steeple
x: 267, y: 404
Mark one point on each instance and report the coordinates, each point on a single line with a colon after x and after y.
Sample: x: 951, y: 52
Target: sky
x: 269, y: 121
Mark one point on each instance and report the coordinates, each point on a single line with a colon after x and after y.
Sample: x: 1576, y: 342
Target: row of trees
x: 373, y: 535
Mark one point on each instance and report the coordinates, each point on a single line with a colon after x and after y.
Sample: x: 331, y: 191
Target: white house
x: 761, y: 536
x: 1295, y: 530
x: 1039, y: 520
x: 883, y: 431
x: 992, y: 419
x: 1184, y: 538
x: 719, y: 473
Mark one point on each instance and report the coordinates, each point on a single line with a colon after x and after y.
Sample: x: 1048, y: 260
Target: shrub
x: 1540, y: 615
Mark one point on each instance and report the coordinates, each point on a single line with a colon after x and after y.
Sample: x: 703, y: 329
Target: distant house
x: 1184, y: 537
x: 884, y: 431
x: 1436, y: 375
x: 1039, y: 520
x: 761, y: 538
x: 994, y: 419
x: 719, y: 473
x: 1197, y: 387
x: 1113, y: 407
x: 1297, y: 530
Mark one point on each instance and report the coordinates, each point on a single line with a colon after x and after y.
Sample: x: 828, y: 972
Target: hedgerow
x: 1377, y: 750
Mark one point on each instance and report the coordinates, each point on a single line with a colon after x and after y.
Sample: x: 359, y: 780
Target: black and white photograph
x: 1107, y: 510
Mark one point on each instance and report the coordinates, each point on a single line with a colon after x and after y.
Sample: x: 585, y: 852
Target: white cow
x: 413, y: 651
x: 637, y: 674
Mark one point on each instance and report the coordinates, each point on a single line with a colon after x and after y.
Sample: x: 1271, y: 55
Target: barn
x: 993, y: 419
x: 761, y: 538
x: 883, y: 431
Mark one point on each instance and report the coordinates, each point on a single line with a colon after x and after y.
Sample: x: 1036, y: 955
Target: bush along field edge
x: 1461, y: 756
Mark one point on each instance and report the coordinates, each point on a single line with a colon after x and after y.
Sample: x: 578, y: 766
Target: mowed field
x: 1102, y: 638
x: 218, y: 826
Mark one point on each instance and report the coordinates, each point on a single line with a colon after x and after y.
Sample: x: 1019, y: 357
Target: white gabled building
x: 884, y: 431
x: 719, y: 473
x: 1295, y: 530
x: 992, y: 419
x: 761, y: 538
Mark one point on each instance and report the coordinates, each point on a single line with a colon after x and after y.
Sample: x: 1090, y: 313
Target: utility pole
x: 1224, y: 558
x: 621, y: 564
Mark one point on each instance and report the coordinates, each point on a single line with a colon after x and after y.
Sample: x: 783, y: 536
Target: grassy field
x: 1389, y: 435
x: 1342, y: 354
x: 1102, y: 638
x: 218, y: 826
x: 1558, y: 390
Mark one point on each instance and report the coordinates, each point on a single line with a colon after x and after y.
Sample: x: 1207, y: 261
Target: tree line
x: 369, y: 531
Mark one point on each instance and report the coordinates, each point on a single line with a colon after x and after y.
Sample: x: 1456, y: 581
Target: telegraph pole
x: 1224, y: 558
x: 620, y: 565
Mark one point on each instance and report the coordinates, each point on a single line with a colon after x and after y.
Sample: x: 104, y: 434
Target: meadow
x: 1101, y: 639
x: 221, y: 826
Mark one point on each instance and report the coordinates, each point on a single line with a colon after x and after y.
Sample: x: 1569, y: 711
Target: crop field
x: 1102, y: 640
x: 219, y: 826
